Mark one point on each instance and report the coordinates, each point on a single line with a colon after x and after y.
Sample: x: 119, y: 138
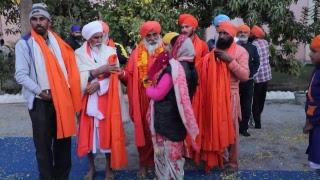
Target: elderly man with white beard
x: 100, y: 125
x: 134, y: 76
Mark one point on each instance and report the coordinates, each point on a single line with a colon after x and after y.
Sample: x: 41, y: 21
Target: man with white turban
x: 100, y: 126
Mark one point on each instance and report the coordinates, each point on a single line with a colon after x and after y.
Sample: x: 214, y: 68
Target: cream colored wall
x: 9, y: 39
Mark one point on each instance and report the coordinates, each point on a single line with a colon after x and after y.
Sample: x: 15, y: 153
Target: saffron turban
x: 91, y: 28
x: 105, y: 27
x: 188, y: 19
x: 258, y: 32
x: 219, y: 19
x: 315, y: 43
x: 149, y: 26
x: 169, y: 36
x: 228, y: 27
x: 244, y: 28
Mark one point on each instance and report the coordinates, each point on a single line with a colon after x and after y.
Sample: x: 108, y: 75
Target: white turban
x: 91, y: 28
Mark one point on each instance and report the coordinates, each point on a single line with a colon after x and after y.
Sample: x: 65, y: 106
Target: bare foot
x: 307, y: 128
x: 90, y: 175
x: 109, y: 175
x: 142, y: 173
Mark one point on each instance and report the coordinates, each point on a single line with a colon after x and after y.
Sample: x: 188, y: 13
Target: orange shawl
x: 111, y: 131
x: 66, y: 100
x: 218, y: 130
x: 138, y: 100
x: 201, y: 49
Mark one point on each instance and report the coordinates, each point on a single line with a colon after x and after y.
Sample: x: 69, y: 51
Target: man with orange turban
x: 246, y: 88
x: 134, y: 76
x: 189, y: 24
x: 263, y: 75
x: 222, y: 70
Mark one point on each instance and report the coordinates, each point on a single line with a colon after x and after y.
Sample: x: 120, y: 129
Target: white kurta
x: 86, y: 62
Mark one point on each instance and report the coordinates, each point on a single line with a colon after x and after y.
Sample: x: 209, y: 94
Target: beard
x: 243, y: 39
x: 224, y: 44
x: 78, y: 38
x: 40, y: 30
x: 152, y: 47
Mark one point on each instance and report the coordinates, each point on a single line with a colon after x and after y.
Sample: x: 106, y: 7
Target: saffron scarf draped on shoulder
x: 111, y: 134
x: 214, y: 111
x: 136, y: 71
x: 66, y: 93
x: 218, y: 130
x: 201, y: 49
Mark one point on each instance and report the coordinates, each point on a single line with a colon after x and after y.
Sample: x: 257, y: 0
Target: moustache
x: 38, y: 26
x: 97, y: 45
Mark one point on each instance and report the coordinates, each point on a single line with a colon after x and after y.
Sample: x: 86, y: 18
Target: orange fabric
x: 315, y: 43
x: 66, y: 100
x: 258, y: 32
x: 105, y: 27
x: 111, y: 131
x: 228, y: 27
x: 218, y: 129
x: 244, y: 28
x: 138, y: 100
x: 201, y: 49
x: 149, y: 26
x: 188, y: 19
x: 110, y: 43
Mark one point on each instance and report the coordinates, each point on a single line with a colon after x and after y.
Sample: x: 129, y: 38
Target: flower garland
x: 143, y: 58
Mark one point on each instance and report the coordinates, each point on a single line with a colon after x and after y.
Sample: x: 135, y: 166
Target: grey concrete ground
x: 279, y: 145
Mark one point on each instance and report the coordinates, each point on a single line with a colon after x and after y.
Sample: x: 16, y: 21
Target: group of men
x: 59, y: 82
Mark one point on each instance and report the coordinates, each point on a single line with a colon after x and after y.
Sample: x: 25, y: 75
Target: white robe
x: 86, y: 63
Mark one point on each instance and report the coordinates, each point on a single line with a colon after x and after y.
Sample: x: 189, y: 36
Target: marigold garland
x: 143, y: 57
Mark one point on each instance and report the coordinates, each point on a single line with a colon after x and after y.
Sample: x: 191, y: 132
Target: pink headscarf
x: 183, y: 49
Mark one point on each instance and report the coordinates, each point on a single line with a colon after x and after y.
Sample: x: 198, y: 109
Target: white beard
x: 151, y: 48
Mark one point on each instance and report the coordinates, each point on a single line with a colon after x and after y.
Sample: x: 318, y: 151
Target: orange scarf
x: 118, y: 147
x: 66, y: 100
x: 111, y: 131
x: 217, y: 128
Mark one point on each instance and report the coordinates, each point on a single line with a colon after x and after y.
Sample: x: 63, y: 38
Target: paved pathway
x: 277, y: 151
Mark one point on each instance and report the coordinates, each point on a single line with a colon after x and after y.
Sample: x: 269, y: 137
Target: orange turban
x: 244, y: 28
x: 188, y: 19
x: 258, y: 32
x: 228, y: 27
x: 105, y: 27
x: 315, y: 43
x: 149, y: 26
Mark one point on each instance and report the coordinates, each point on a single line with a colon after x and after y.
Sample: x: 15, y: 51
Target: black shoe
x: 245, y: 133
x: 257, y: 126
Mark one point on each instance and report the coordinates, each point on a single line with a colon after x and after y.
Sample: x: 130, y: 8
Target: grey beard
x: 243, y: 39
x: 151, y: 48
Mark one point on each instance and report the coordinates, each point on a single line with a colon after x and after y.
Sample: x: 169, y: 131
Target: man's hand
x: 109, y: 68
x: 46, y: 95
x: 93, y: 87
x: 104, y: 69
x: 222, y: 55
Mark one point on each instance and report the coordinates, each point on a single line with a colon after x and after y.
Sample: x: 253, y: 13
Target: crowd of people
x: 185, y: 101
